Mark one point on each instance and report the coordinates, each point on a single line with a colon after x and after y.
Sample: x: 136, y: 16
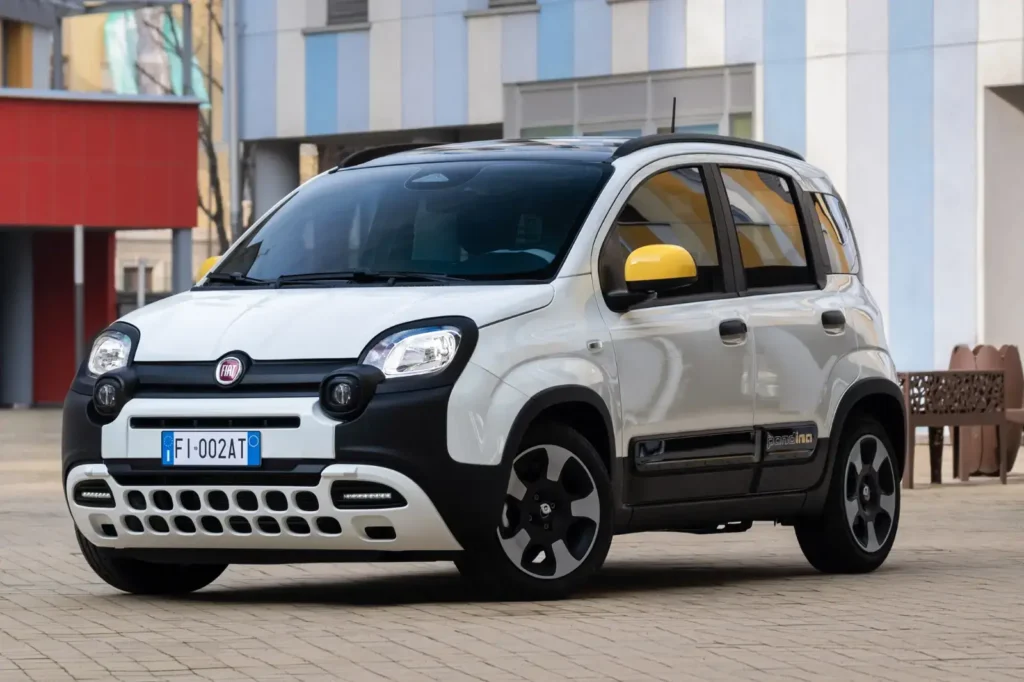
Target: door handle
x: 729, y: 330
x: 833, y: 321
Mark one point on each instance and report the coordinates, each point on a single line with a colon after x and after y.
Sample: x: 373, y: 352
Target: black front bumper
x: 405, y: 432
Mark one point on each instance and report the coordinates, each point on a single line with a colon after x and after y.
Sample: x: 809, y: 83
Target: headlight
x: 110, y: 352
x: 415, y: 352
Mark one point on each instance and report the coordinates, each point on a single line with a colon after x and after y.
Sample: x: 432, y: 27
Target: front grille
x: 279, y: 378
x: 215, y: 422
x: 137, y: 473
x: 215, y: 512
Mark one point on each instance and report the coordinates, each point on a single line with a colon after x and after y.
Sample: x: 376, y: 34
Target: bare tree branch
x: 214, y: 208
x: 203, y: 208
x: 170, y: 43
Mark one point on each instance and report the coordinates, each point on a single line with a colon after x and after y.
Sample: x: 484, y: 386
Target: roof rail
x: 371, y: 153
x: 637, y: 143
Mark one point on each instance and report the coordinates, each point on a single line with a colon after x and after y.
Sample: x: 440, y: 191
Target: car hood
x: 311, y: 324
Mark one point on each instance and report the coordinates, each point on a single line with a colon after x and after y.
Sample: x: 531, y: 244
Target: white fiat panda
x: 499, y: 354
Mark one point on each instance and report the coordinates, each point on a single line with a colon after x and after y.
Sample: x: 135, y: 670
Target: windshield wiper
x: 366, y: 276
x: 236, y: 278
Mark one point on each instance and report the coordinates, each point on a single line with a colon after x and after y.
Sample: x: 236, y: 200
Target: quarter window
x: 773, y: 249
x: 668, y: 208
x: 835, y: 227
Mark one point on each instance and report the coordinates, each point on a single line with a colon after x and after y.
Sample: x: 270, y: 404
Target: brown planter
x: 962, y: 358
x: 1014, y: 387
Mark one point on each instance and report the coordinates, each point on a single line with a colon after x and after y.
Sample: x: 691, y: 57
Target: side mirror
x: 658, y: 268
x: 205, y: 267
x: 652, y: 270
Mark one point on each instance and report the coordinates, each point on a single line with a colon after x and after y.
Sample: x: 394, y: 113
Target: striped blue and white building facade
x: 914, y: 107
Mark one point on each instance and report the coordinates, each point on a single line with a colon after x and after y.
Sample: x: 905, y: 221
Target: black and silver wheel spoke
x: 587, y: 508
x: 516, y: 487
x: 552, y: 512
x: 870, y: 493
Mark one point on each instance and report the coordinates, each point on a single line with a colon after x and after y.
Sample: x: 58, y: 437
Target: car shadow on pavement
x: 445, y: 586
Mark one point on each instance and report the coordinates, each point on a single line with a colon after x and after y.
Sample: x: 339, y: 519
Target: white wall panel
x: 705, y: 33
x: 485, y: 51
x: 630, y: 36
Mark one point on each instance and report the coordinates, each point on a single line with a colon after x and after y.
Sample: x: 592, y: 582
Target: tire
x: 575, y: 510
x: 146, y: 578
x: 857, y: 526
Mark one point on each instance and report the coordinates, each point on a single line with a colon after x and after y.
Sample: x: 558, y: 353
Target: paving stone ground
x: 948, y: 605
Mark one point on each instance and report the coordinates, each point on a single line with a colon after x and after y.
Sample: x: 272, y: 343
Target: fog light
x: 346, y: 393
x: 341, y: 394
x: 108, y: 397
x: 93, y: 494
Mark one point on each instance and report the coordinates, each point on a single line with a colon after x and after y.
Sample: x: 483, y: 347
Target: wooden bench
x: 954, y: 399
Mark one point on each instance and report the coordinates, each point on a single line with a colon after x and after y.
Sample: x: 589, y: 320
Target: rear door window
x: 773, y: 246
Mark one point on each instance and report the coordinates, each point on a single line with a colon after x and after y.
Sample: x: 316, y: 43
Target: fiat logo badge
x: 229, y: 370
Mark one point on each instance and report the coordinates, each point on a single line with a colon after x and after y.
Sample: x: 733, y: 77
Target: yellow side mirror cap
x: 659, y: 267
x: 206, y: 266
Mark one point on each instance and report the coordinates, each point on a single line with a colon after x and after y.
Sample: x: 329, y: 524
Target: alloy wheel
x: 552, y: 512
x: 870, y: 493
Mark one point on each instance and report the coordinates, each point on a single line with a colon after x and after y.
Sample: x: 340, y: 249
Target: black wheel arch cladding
x: 554, y: 402
x: 877, y: 397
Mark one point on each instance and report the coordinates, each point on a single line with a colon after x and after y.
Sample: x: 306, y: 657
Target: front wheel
x: 144, y: 577
x: 556, y: 522
x: 857, y: 527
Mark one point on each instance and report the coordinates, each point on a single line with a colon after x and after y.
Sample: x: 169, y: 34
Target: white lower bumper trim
x: 416, y: 527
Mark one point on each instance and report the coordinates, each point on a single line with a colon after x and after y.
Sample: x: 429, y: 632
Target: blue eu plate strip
x: 255, y: 448
x: 167, y: 444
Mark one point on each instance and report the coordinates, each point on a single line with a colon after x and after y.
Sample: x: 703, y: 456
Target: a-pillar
x: 275, y: 174
x: 16, y: 318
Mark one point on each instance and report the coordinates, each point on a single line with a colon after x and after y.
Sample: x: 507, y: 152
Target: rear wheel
x: 555, y: 527
x: 857, y: 527
x: 144, y: 577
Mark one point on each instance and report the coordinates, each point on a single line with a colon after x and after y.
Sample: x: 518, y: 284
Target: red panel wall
x: 98, y: 163
x: 54, y: 304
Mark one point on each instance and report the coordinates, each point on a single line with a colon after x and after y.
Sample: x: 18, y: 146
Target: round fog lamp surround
x: 345, y: 393
x: 108, y: 396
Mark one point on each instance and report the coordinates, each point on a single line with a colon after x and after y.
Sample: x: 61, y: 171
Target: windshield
x: 470, y: 220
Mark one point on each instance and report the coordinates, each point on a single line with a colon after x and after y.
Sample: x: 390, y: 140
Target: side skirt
x: 720, y: 481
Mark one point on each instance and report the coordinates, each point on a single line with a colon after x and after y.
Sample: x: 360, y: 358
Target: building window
x: 741, y: 125
x: 670, y: 207
x: 545, y: 131
x: 499, y: 4
x: 772, y: 244
x: 131, y: 278
x: 626, y: 132
x: 700, y: 128
x: 341, y: 12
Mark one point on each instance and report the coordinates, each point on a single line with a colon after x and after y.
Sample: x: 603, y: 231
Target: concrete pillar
x: 275, y: 173
x: 16, y: 318
x: 181, y: 260
x: 79, y: 266
x: 57, y: 55
x: 43, y: 47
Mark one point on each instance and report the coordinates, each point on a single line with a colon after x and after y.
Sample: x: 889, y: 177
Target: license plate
x: 211, y: 448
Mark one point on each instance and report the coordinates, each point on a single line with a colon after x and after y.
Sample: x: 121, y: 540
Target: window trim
x: 810, y: 230
x: 726, y: 257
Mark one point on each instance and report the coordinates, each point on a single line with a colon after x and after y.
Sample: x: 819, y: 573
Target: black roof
x: 584, y: 149
x: 594, y: 149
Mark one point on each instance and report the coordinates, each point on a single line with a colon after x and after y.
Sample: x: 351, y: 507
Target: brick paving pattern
x: 949, y: 605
